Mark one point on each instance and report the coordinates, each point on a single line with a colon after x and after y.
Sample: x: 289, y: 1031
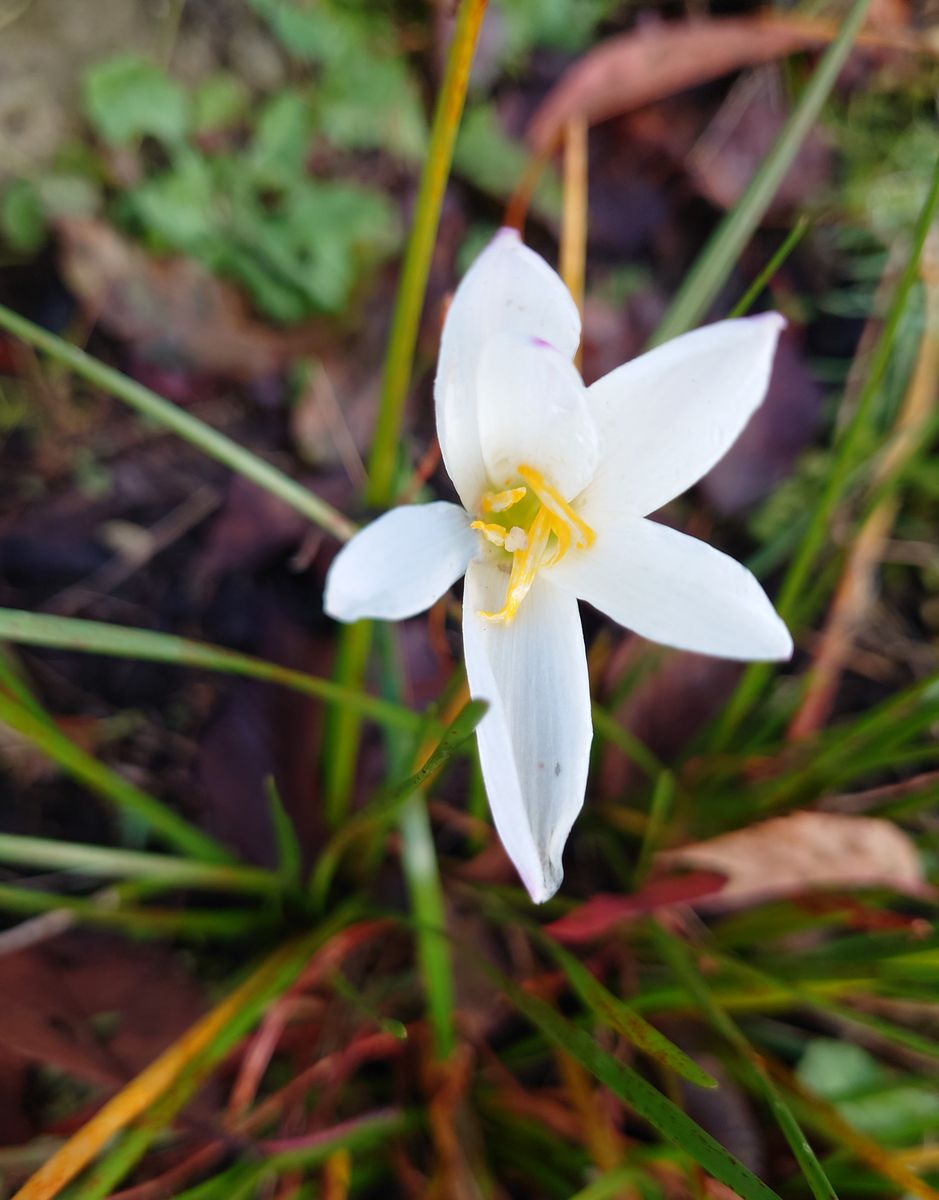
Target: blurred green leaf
x: 866, y: 1094
x: 219, y: 102
x: 366, y: 98
x: 495, y: 162
x: 279, y: 148
x: 371, y: 102
x: 177, y: 207
x: 127, y: 97
x: 558, y: 24
x: 22, y: 220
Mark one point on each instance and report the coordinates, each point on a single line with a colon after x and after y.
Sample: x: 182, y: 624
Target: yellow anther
x: 496, y: 502
x: 538, y: 528
x: 525, y: 566
x: 492, y: 533
x: 555, y: 503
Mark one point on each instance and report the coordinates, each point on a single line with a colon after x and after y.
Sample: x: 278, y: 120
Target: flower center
x: 533, y: 524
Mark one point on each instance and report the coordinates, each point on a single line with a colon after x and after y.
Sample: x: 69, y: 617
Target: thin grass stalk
x: 846, y: 460
x: 409, y: 302
x: 168, y: 416
x: 355, y: 641
x: 119, y: 641
x: 418, y: 853
x: 106, y: 861
x: 716, y: 261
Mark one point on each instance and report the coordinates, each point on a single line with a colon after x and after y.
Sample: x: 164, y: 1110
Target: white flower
x: 556, y: 482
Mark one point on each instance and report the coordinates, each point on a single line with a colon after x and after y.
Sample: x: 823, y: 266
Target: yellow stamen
x: 496, y: 502
x: 556, y: 504
x: 492, y: 533
x: 525, y: 566
x: 553, y: 528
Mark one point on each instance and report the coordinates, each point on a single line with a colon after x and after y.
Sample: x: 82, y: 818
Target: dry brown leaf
x: 173, y: 310
x: 650, y: 63
x: 802, y: 852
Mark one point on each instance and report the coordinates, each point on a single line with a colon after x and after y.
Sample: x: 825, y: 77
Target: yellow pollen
x: 492, y: 533
x: 496, y: 502
x: 552, y: 531
x: 557, y: 505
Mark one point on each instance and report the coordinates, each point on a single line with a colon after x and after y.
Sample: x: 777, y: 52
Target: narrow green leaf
x: 289, y: 852
x: 216, y: 445
x: 629, y: 1086
x: 676, y: 954
x: 716, y: 261
x: 137, y: 922
x: 619, y: 1016
x: 120, y: 641
x: 847, y: 449
x: 100, y: 861
x: 385, y: 807
x: 791, y: 240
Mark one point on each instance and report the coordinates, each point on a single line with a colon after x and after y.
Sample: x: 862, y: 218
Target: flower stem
x: 418, y: 855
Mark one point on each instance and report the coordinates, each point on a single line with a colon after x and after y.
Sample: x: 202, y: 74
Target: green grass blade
x: 110, y: 786
x: 137, y: 922
x: 789, y: 243
x: 409, y: 301
x: 717, y: 259
x: 176, y: 420
x: 289, y: 850
x: 620, y: 1017
x: 846, y: 452
x: 99, y: 861
x: 664, y: 1116
x: 676, y: 955
x: 389, y: 805
x: 119, y: 641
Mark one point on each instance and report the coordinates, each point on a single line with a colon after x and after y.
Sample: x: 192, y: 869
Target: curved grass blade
x: 119, y: 641
x: 676, y: 955
x: 723, y: 249
x: 169, y: 416
x: 384, y: 808
x: 619, y: 1016
x: 134, y: 864
x: 664, y: 1116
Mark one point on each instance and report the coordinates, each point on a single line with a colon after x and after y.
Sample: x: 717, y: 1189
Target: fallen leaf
x: 801, y: 852
x: 96, y: 1007
x: 603, y: 912
x: 655, y: 61
x: 172, y: 310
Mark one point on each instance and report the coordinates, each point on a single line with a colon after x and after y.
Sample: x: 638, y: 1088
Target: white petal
x: 400, y: 564
x: 534, y: 742
x: 667, y: 417
x: 673, y: 589
x: 533, y: 412
x: 509, y: 289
